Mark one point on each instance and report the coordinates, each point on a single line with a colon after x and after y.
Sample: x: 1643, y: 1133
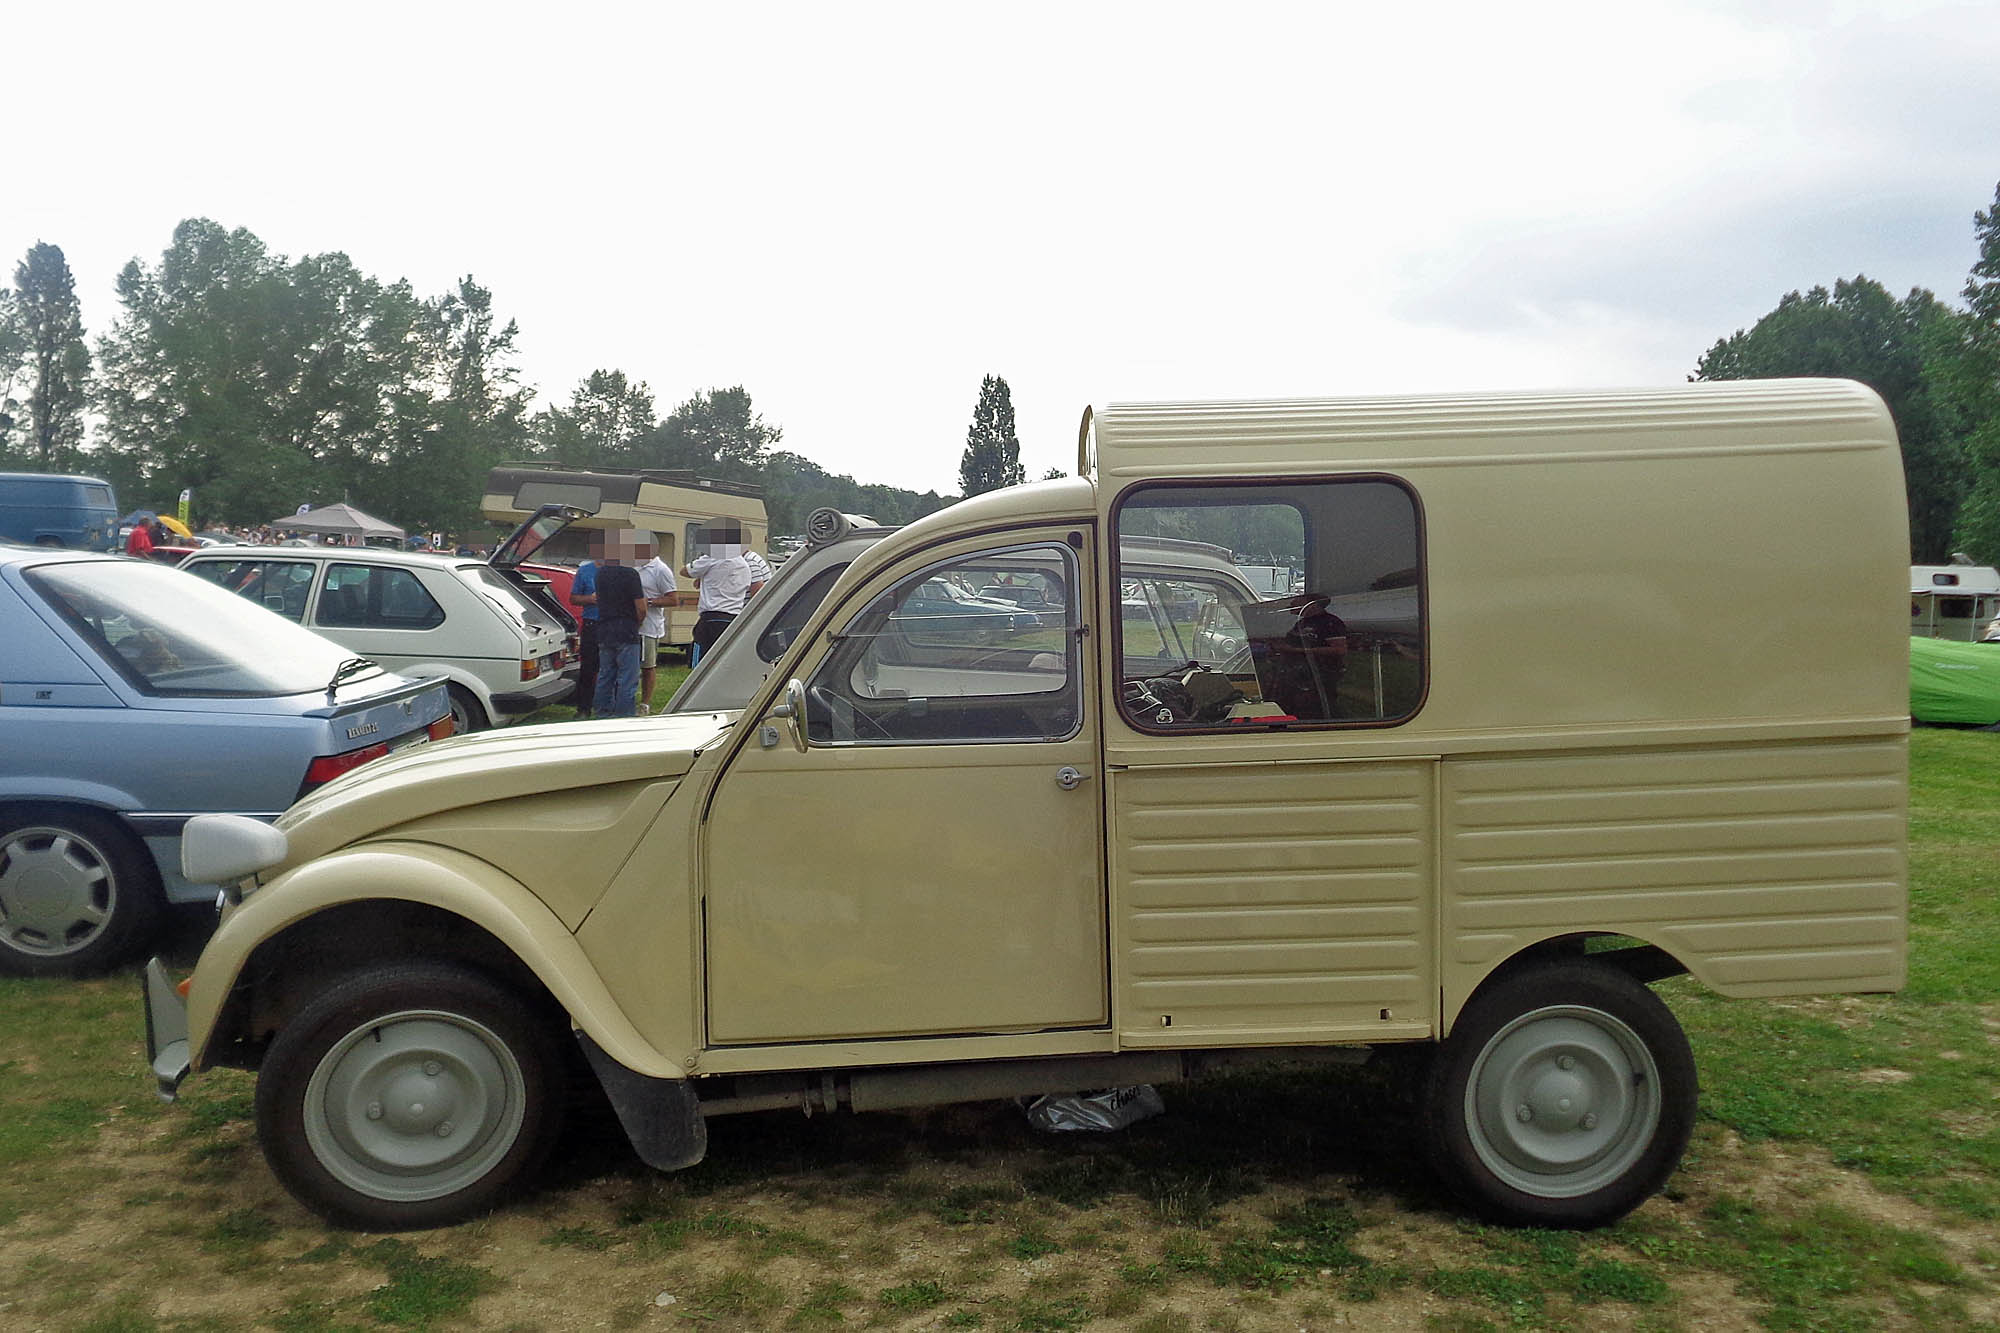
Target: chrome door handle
x: 1069, y: 779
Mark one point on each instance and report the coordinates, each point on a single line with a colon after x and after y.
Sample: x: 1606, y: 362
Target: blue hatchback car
x: 133, y: 696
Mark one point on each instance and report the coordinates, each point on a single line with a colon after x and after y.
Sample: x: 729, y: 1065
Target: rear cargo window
x: 1343, y: 645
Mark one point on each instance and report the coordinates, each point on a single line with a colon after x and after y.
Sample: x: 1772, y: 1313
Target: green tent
x: 1954, y: 682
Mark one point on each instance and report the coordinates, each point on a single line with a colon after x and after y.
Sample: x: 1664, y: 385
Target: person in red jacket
x: 140, y: 541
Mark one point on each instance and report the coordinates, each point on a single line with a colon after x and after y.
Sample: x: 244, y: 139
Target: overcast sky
x: 856, y: 211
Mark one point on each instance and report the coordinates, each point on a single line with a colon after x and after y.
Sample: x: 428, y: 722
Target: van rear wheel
x: 412, y: 1094
x: 1563, y: 1098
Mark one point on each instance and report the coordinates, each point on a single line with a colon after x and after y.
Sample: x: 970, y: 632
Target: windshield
x: 785, y: 626
x: 171, y: 634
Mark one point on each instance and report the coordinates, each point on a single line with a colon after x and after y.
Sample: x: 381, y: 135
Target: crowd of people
x: 625, y: 590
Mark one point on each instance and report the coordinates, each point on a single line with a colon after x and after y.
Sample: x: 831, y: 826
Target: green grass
x: 915, y: 1295
x: 1897, y: 1086
x: 1278, y: 1198
x: 422, y: 1291
x: 669, y: 676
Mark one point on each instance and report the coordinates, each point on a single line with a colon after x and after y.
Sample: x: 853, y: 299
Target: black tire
x: 466, y: 714
x: 1564, y: 1097
x: 78, y: 892
x: 409, y: 1095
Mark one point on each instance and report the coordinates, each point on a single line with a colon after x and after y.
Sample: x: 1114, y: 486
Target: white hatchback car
x: 500, y: 651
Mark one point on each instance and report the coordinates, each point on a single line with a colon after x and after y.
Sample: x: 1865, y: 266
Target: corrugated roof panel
x: 1732, y: 416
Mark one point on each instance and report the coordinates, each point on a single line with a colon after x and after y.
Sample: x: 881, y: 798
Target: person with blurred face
x: 583, y: 594
x: 726, y: 579
x: 621, y: 607
x: 656, y: 579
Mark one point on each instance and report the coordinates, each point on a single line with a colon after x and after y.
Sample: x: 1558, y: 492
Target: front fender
x: 439, y: 877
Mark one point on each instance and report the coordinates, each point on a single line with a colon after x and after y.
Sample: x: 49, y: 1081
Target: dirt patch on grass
x: 188, y: 1226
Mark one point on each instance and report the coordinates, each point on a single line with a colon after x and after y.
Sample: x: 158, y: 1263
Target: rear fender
x: 438, y: 877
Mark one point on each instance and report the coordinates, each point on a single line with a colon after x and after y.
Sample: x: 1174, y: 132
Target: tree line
x: 1936, y: 365
x: 263, y: 382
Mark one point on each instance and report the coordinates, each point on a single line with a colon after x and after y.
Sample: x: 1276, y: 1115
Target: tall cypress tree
x: 992, y: 457
x: 58, y: 363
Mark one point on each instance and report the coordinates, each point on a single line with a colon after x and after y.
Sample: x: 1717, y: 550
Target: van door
x: 932, y: 862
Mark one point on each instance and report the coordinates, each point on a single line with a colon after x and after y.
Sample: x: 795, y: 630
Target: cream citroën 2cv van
x: 1554, y: 717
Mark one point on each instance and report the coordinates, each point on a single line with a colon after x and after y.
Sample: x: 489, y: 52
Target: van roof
x: 53, y: 476
x: 1190, y: 439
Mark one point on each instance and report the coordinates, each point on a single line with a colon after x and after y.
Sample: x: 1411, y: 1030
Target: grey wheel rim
x: 57, y: 891
x: 461, y: 716
x: 415, y: 1105
x: 1562, y: 1101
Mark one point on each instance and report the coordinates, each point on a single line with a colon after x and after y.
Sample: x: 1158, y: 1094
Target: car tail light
x: 443, y: 727
x: 330, y: 766
x: 530, y: 668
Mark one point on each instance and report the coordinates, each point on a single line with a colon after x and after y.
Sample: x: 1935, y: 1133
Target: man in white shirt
x: 656, y: 580
x: 727, y: 581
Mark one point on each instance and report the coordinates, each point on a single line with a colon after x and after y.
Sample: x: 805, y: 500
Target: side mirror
x: 793, y: 713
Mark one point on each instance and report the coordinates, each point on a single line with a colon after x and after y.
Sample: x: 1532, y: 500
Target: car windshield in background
x: 170, y: 634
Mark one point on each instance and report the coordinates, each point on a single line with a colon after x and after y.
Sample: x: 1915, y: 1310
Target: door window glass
x: 276, y: 585
x: 938, y: 658
x: 1344, y: 645
x: 376, y: 597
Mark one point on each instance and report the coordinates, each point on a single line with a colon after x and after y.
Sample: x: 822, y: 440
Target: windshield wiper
x: 352, y: 666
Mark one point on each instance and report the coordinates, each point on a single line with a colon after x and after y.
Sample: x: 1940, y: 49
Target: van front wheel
x: 1564, y: 1097
x: 412, y: 1094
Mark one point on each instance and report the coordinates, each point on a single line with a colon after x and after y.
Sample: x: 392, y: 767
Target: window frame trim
x: 1073, y: 654
x: 1115, y: 561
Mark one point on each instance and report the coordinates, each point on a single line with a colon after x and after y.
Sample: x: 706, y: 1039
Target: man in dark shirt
x: 1308, y: 661
x: 621, y: 606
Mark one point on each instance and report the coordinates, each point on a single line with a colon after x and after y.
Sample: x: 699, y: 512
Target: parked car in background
x: 1166, y: 574
x: 133, y: 697
x: 39, y: 509
x: 501, y: 651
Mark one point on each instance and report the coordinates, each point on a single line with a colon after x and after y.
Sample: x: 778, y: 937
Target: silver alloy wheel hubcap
x: 57, y: 892
x: 1562, y: 1101
x: 415, y: 1105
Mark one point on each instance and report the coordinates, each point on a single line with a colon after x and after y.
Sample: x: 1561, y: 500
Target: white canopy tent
x: 339, y: 520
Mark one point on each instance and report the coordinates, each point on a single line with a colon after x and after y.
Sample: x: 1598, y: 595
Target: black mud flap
x: 662, y: 1116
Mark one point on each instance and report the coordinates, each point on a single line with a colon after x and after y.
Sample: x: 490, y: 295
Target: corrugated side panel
x: 1767, y: 870
x: 1273, y: 903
